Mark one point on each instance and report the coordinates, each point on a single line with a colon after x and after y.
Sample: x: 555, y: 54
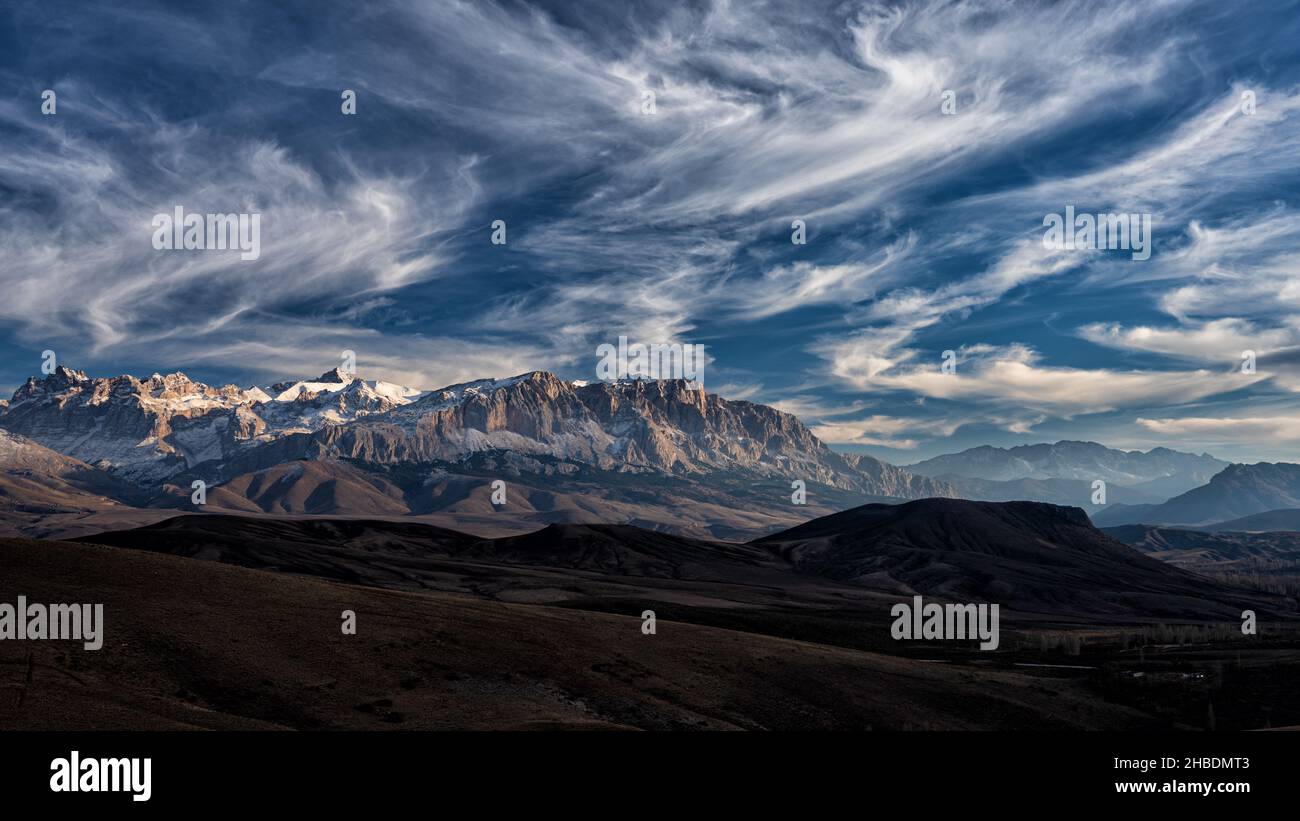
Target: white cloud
x: 1254, y: 429
x: 1012, y: 377
x: 801, y: 284
x: 816, y: 408
x: 859, y: 359
x: 84, y: 278
x: 884, y: 431
x: 1246, y: 266
x: 1219, y: 340
x: 416, y: 361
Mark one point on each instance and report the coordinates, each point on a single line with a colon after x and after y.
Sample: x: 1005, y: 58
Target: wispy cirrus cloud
x: 884, y: 431
x: 1261, y: 429
x: 924, y: 227
x: 1015, y: 377
x: 83, y: 272
x: 1218, y: 340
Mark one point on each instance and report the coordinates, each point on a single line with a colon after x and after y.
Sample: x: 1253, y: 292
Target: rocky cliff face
x: 891, y: 480
x: 154, y: 429
x: 652, y: 426
x: 143, y: 429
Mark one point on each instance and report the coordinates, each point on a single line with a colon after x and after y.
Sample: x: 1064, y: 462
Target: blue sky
x: 925, y: 226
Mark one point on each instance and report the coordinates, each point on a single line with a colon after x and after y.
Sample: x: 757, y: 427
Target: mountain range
x: 1154, y: 475
x: 656, y: 453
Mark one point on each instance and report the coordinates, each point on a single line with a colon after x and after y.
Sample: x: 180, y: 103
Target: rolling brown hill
x: 1186, y: 546
x: 37, y: 483
x: 200, y: 645
x: 725, y: 506
x: 1031, y: 558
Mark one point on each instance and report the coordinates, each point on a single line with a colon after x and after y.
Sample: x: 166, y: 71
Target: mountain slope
x: 410, y: 554
x: 440, y: 661
x: 1238, y: 490
x: 36, y: 481
x: 628, y: 551
x: 726, y: 505
x: 1184, y: 546
x: 650, y: 426
x: 310, y: 487
x: 599, y: 567
x: 1270, y: 520
x: 1026, y: 556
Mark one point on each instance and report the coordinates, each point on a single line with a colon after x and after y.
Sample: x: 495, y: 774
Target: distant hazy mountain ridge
x: 1152, y: 476
x: 1237, y: 491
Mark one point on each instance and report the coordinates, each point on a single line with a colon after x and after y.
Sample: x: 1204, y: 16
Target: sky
x: 923, y: 145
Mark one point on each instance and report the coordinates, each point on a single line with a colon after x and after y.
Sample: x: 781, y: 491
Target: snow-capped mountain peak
x: 147, y: 430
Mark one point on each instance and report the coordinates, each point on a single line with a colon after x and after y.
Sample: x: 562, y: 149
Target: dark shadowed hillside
x: 1181, y: 545
x: 1026, y: 556
x: 197, y: 645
